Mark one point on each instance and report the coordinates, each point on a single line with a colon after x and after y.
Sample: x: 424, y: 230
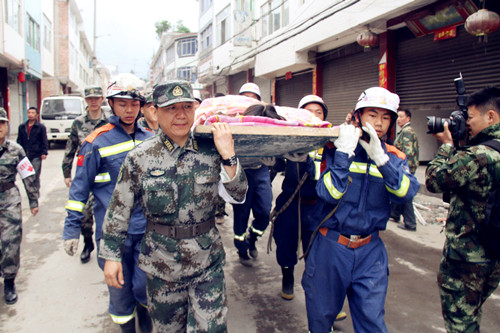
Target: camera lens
x: 434, y: 125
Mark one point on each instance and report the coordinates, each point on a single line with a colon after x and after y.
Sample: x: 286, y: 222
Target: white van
x: 57, y: 114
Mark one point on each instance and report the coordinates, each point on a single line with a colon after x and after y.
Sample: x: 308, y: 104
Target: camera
x: 458, y: 118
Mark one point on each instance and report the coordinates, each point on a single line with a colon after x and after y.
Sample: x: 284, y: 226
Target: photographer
x: 467, y: 275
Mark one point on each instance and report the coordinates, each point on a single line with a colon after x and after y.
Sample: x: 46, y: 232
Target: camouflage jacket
x: 470, y: 175
x: 142, y: 121
x: 80, y: 129
x: 12, y: 155
x: 407, y: 142
x: 175, y: 186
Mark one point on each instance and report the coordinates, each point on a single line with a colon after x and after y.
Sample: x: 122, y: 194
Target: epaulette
x: 393, y: 150
x: 103, y: 129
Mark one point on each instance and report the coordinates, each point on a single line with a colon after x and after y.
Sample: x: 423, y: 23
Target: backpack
x: 489, y: 230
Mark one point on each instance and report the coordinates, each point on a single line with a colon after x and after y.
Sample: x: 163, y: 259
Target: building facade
x: 292, y: 48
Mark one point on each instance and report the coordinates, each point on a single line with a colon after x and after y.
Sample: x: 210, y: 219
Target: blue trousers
x: 122, y: 301
x: 334, y: 271
x: 286, y: 229
x: 259, y: 200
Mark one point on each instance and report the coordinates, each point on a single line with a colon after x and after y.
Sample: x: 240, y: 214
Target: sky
x: 126, y: 35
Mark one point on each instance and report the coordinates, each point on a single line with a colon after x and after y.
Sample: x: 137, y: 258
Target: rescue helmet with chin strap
x: 313, y: 99
x: 251, y: 88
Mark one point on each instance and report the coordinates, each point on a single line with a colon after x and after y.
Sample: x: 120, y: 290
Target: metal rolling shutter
x: 425, y: 69
x: 289, y: 92
x: 237, y: 80
x: 344, y: 79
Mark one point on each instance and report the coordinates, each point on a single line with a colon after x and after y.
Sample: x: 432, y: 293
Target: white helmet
x: 314, y: 99
x: 251, y: 88
x: 378, y: 97
x: 126, y: 86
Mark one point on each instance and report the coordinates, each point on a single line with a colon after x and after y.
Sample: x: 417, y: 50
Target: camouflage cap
x: 3, y: 115
x: 172, y: 92
x: 149, y: 97
x: 93, y: 91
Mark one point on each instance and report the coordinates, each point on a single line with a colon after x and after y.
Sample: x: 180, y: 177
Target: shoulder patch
x: 393, y: 150
x: 103, y: 129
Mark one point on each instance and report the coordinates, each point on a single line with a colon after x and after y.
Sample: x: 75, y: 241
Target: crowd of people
x: 156, y: 193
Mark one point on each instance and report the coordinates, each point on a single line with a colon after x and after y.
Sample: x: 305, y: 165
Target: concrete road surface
x: 58, y: 294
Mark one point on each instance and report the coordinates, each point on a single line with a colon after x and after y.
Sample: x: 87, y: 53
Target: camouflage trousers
x: 10, y: 232
x: 88, y: 217
x: 196, y: 305
x: 464, y: 287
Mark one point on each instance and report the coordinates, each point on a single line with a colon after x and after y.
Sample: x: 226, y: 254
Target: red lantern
x: 21, y: 77
x: 482, y: 22
x: 367, y: 39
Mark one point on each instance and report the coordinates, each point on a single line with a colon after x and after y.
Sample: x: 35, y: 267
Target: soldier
x: 407, y: 142
x: 82, y: 126
x: 99, y: 161
x: 176, y: 178
x: 12, y: 161
x: 467, y: 274
x: 150, y: 120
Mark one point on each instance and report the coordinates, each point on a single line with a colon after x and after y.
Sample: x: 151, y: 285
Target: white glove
x: 71, y: 246
x: 348, y: 139
x: 374, y: 147
x: 268, y: 161
x: 296, y: 157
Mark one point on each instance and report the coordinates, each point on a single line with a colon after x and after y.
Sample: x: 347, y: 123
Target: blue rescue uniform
x: 99, y: 162
x: 337, y: 267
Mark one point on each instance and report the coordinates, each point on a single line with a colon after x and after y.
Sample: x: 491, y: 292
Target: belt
x: 181, y: 232
x: 6, y: 186
x: 350, y: 241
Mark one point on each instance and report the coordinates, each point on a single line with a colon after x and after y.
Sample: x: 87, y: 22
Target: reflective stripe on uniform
x: 75, y: 205
x: 357, y: 167
x: 240, y: 237
x: 118, y: 148
x: 401, y: 192
x: 102, y: 178
x: 122, y: 319
x: 257, y: 231
x: 327, y: 180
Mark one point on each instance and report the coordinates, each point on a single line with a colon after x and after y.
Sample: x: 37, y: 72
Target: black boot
x: 9, y: 291
x: 145, y: 322
x: 88, y: 248
x: 129, y: 326
x: 245, y: 259
x: 252, y: 248
x: 287, y: 283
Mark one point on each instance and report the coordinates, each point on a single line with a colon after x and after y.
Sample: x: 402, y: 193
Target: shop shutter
x: 237, y: 80
x: 344, y: 79
x: 289, y: 92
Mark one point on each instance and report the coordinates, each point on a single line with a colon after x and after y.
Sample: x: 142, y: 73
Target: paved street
x: 58, y: 294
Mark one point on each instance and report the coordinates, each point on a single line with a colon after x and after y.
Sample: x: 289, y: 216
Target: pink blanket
x: 230, y: 109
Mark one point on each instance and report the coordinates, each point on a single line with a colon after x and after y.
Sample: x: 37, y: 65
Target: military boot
x: 287, y: 283
x: 129, y: 326
x: 9, y: 291
x: 252, y: 248
x: 245, y: 260
x: 145, y: 322
x: 87, y: 249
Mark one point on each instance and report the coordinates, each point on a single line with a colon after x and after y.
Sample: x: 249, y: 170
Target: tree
x: 180, y: 27
x: 161, y: 27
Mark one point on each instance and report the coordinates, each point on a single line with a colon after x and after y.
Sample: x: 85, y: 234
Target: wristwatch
x: 230, y: 161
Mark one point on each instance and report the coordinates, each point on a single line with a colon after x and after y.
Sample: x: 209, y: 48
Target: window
x: 47, y: 33
x: 205, y: 4
x: 206, y: 38
x: 33, y: 34
x: 187, y: 47
x: 275, y: 15
x: 245, y: 5
x: 12, y: 10
x: 186, y: 73
x: 171, y: 54
x: 224, y: 25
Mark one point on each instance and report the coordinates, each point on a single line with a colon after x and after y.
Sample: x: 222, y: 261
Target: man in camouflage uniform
x: 13, y: 160
x: 407, y: 142
x: 467, y: 275
x: 176, y: 178
x: 80, y: 129
x: 149, y: 120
